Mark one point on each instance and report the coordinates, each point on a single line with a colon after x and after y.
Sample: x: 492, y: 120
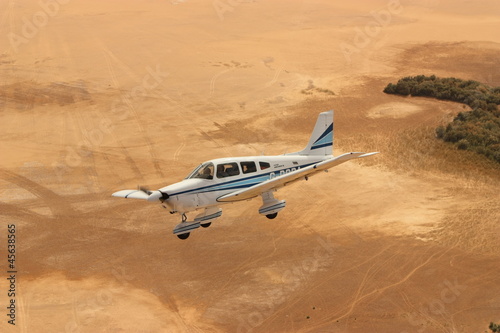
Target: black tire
x: 272, y: 216
x: 183, y: 236
x: 206, y: 225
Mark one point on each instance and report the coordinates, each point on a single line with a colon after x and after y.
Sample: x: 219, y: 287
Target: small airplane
x: 225, y: 180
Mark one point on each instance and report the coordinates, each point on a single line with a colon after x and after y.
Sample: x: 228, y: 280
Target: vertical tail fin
x: 321, y: 141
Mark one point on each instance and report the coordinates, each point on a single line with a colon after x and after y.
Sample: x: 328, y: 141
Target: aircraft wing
x: 131, y: 194
x: 288, y: 178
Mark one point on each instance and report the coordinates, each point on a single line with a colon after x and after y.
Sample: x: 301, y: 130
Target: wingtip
x: 369, y: 154
x: 120, y: 194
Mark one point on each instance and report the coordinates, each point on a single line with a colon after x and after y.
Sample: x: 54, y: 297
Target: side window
x: 227, y: 170
x: 248, y: 167
x: 264, y: 165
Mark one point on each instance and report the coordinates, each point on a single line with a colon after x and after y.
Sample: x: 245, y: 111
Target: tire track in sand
x: 356, y: 301
x: 58, y: 205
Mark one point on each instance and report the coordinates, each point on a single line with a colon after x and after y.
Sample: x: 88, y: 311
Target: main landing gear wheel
x: 272, y: 216
x: 183, y: 236
x: 206, y: 225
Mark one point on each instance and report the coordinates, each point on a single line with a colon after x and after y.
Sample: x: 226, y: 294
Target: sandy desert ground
x: 99, y: 96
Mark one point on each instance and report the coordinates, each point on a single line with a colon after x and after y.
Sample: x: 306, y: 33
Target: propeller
x: 144, y: 189
x: 154, y: 195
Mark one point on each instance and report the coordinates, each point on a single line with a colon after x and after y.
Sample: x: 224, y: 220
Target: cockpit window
x: 227, y: 170
x: 204, y: 171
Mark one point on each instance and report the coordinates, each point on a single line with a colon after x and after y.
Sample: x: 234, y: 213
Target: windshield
x: 203, y: 171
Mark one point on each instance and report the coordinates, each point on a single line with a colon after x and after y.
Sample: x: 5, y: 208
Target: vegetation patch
x: 477, y: 130
x: 312, y: 88
x: 494, y: 327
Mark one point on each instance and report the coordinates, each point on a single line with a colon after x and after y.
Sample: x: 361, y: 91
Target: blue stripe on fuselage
x: 245, y: 182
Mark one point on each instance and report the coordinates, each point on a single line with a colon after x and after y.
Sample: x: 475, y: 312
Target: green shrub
x: 476, y: 130
x: 463, y: 144
x: 440, y: 132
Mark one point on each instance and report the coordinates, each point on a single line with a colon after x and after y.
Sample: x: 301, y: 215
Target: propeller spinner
x: 158, y: 195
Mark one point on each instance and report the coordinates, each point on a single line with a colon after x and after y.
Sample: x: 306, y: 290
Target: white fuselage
x: 202, y: 189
